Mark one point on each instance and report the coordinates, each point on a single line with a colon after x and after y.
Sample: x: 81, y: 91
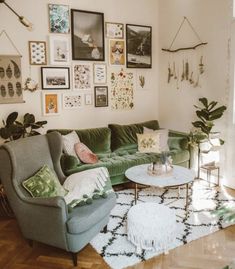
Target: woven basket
x: 5, y: 209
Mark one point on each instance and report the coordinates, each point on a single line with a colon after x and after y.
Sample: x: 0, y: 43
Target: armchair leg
x: 30, y: 242
x: 75, y: 258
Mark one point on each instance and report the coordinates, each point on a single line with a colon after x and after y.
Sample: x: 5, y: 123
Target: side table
x: 209, y: 168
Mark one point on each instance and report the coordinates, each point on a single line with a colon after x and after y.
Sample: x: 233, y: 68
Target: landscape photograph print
x: 139, y: 47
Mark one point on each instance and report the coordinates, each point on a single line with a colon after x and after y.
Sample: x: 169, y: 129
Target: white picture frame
x: 114, y: 30
x: 59, y: 50
x: 51, y: 103
x: 72, y: 100
x: 100, y: 73
x: 82, y: 76
x: 88, y: 99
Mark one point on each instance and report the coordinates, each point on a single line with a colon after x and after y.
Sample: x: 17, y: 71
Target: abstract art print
x: 59, y: 19
x: 87, y: 35
x: 55, y: 78
x: 82, y: 76
x: 122, y: 90
x: 72, y: 100
x: 51, y: 104
x: 10, y: 79
x: 59, y: 50
x: 114, y: 30
x: 100, y: 72
x: 101, y: 96
x: 139, y: 46
x: 37, y: 53
x: 116, y: 52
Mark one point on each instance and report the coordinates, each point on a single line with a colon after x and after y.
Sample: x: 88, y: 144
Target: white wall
x: 131, y: 11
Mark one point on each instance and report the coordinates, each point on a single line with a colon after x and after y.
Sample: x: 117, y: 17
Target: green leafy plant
x: 13, y: 129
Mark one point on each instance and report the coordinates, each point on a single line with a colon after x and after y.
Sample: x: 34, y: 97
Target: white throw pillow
x: 149, y: 143
x: 163, y: 137
x: 69, y: 142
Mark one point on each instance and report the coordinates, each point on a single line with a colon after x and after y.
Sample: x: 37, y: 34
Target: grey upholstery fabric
x: 45, y: 219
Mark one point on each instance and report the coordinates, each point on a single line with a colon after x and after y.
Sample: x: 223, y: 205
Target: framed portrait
x: 101, y: 96
x: 87, y: 35
x: 116, y: 52
x: 55, y: 78
x: 139, y: 46
x: 59, y: 50
x: 88, y: 99
x: 82, y: 76
x: 100, y: 73
x: 59, y: 19
x: 114, y: 30
x: 51, y: 104
x: 72, y: 100
x: 37, y: 53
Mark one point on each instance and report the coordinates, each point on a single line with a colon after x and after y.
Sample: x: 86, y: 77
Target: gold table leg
x: 136, y: 192
x: 187, y: 196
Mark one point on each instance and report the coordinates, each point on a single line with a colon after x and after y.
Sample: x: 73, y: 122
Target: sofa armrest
x: 178, y: 134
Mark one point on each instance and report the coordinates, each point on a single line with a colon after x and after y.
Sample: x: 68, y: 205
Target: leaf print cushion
x: 44, y: 184
x: 148, y: 143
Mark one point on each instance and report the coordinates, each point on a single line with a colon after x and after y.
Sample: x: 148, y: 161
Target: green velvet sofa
x: 117, y: 149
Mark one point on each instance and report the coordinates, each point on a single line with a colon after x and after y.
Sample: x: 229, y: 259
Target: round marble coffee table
x: 180, y: 176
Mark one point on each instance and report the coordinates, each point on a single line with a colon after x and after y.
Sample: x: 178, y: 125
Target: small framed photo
x: 51, y: 104
x: 72, y: 100
x: 37, y: 53
x: 100, y: 73
x: 82, y: 76
x: 116, y: 52
x: 101, y: 96
x: 88, y: 99
x: 87, y: 35
x: 114, y: 30
x: 55, y: 78
x: 139, y: 46
x: 59, y: 50
x: 59, y: 19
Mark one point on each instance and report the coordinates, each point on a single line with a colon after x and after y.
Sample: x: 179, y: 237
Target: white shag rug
x: 119, y: 253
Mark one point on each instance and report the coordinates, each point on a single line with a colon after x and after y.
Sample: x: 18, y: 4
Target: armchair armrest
x: 49, y: 202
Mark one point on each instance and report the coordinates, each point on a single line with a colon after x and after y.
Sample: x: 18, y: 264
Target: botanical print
x: 59, y: 50
x: 51, y: 104
x: 37, y: 53
x: 59, y: 19
x: 114, y: 30
x: 72, y: 100
x: 87, y: 35
x: 101, y: 96
x: 116, y: 52
x: 139, y: 47
x: 122, y: 90
x: 142, y: 80
x: 82, y: 75
x: 10, y: 79
x: 55, y: 78
x: 88, y: 99
x: 99, y: 73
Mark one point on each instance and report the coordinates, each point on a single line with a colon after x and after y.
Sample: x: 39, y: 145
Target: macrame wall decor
x: 186, y: 64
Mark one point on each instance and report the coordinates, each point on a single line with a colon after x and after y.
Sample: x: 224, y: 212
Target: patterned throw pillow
x: 85, y: 154
x: 163, y: 137
x: 149, y: 143
x: 44, y: 184
x: 69, y: 142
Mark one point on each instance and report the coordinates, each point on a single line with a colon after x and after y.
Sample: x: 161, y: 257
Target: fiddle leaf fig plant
x: 13, y: 129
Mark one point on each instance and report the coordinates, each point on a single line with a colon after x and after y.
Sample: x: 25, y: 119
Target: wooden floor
x: 210, y: 252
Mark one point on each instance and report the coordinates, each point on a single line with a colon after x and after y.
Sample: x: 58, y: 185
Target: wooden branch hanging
x: 186, y: 48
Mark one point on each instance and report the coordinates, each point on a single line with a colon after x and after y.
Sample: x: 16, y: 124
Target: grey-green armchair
x: 47, y: 220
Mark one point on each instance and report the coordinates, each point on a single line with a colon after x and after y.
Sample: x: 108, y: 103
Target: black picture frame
x: 90, y: 45
x: 138, y: 46
x: 101, y: 99
x: 55, y: 78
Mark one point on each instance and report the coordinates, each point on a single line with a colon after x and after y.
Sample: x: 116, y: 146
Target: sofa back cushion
x: 123, y: 137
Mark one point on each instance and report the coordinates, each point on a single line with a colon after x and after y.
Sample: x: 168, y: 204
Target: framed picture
x: 51, y: 104
x: 82, y: 76
x: 59, y: 19
x: 114, y: 30
x: 37, y: 53
x: 101, y: 96
x: 55, y: 78
x: 142, y: 79
x: 100, y: 73
x: 59, y: 50
x: 87, y: 35
x: 116, y: 52
x: 72, y: 100
x: 88, y: 99
x: 139, y: 46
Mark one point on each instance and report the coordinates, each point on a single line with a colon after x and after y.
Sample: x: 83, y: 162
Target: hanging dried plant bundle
x: 170, y: 74
x: 174, y: 71
x: 201, y: 66
x: 183, y: 74
x: 191, y: 78
x: 30, y: 85
x: 187, y: 70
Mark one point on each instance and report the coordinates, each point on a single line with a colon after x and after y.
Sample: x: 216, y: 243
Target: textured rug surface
x: 119, y: 253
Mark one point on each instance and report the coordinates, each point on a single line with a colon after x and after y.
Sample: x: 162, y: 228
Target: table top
x: 180, y: 176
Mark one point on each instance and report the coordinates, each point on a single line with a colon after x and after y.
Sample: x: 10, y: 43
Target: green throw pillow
x: 44, y: 184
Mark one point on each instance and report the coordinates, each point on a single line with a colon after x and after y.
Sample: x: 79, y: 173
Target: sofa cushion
x: 124, y: 137
x: 85, y: 154
x: 163, y: 137
x: 149, y: 143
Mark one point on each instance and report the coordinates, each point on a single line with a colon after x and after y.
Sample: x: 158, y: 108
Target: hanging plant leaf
x: 204, y: 101
x: 11, y: 118
x: 29, y: 119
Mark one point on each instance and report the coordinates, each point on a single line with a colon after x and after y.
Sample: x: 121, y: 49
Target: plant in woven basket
x: 13, y: 129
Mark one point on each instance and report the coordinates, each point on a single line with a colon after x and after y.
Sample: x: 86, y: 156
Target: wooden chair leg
x: 75, y: 258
